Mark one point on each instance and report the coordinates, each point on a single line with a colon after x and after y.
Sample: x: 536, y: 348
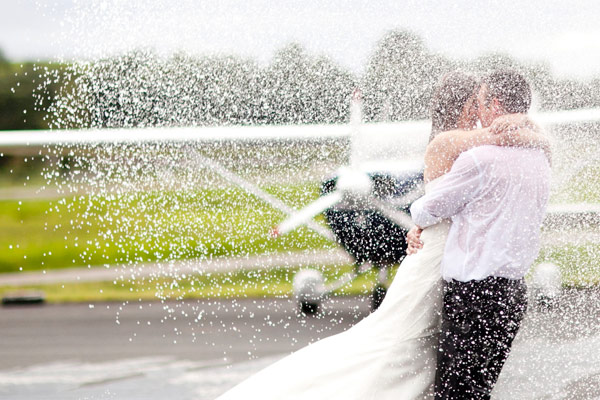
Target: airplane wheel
x: 309, y: 308
x: 546, y: 303
x: 378, y: 296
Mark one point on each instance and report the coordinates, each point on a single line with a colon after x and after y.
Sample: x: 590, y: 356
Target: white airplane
x: 365, y: 203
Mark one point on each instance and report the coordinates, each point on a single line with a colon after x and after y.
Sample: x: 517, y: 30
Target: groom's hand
x: 413, y: 238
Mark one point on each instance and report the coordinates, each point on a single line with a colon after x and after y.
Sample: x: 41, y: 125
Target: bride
x: 391, y: 354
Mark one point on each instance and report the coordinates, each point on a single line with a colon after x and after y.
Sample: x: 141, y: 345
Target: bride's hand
x: 413, y: 239
x: 507, y: 126
x: 517, y: 130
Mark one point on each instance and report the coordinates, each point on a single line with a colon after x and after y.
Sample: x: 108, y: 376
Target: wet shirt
x: 496, y: 198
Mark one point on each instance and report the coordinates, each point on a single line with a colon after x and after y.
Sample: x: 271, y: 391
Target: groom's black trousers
x: 479, y: 322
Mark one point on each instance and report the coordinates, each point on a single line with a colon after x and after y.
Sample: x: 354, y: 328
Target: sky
x: 564, y: 35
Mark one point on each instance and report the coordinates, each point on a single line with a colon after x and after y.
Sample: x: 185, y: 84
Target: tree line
x: 141, y: 89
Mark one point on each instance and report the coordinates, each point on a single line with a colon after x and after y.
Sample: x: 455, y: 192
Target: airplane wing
x: 38, y: 138
x: 567, y: 116
x: 370, y: 131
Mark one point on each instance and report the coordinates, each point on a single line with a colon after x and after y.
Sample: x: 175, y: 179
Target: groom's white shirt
x: 496, y: 198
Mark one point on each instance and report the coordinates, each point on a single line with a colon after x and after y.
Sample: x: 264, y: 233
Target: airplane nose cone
x: 355, y: 183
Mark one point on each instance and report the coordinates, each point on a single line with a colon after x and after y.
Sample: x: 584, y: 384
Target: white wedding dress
x: 391, y: 354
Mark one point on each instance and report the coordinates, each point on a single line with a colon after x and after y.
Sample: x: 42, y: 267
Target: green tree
x: 299, y: 88
x: 26, y: 91
x: 141, y: 89
x: 400, y: 78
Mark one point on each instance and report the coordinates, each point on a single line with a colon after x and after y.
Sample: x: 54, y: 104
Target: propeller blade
x: 307, y: 213
x: 261, y: 194
x: 399, y: 217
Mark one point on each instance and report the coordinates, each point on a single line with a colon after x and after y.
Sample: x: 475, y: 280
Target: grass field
x: 584, y: 187
x: 174, y: 225
x: 260, y: 283
x: 578, y: 264
x: 146, y: 227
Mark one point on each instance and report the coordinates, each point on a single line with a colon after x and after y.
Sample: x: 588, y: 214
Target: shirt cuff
x: 420, y: 217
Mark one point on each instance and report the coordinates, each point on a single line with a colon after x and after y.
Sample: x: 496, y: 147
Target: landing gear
x: 546, y: 286
x: 377, y: 297
x: 309, y: 291
x: 545, y: 303
x: 380, y: 288
x: 309, y: 308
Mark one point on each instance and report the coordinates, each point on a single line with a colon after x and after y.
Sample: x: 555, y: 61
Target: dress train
x: 391, y: 354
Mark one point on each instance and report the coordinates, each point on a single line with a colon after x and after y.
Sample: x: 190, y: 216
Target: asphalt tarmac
x: 198, y: 349
x: 229, y: 330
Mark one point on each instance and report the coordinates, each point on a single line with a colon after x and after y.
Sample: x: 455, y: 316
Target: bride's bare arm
x: 511, y: 130
x: 447, y: 146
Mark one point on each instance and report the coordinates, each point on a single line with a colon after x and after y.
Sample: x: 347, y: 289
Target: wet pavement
x: 198, y: 349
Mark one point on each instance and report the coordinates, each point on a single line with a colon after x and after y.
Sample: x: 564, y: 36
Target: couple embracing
x: 446, y: 325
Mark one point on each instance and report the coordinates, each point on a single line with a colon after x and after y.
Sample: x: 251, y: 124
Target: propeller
x: 307, y: 213
x: 353, y: 187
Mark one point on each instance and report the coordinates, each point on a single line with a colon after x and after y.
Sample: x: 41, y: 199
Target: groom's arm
x: 450, y: 195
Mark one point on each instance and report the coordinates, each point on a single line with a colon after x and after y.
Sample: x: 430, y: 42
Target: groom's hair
x: 510, y: 88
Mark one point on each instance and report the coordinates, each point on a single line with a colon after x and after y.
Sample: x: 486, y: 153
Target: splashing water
x: 133, y: 204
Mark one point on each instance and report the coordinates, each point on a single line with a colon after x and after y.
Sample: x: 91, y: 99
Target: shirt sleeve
x: 449, y: 197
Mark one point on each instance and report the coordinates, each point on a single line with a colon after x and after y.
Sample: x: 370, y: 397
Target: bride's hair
x: 449, y: 98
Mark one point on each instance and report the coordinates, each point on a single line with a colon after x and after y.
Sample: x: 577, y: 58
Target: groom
x: 496, y: 198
